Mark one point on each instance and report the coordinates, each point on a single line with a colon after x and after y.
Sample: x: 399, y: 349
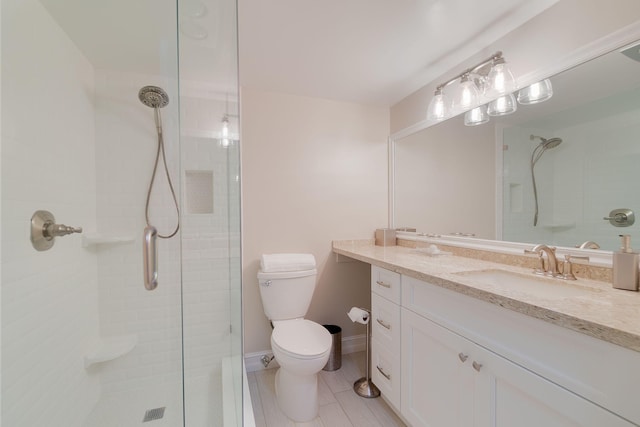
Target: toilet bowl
x: 301, y: 347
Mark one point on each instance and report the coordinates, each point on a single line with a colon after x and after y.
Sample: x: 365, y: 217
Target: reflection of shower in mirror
x: 545, y: 144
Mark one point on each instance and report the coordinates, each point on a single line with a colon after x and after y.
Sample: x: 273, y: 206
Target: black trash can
x: 335, y: 356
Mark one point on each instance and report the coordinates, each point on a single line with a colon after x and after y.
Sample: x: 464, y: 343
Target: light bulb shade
x: 500, y: 81
x: 477, y: 116
x: 502, y: 106
x: 537, y: 92
x: 437, y: 108
x: 465, y: 97
x: 225, y: 140
x: 225, y: 128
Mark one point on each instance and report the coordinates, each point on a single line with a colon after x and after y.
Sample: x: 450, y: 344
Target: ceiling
x: 366, y: 51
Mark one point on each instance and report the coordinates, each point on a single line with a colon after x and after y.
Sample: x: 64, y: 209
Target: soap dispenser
x: 625, y: 266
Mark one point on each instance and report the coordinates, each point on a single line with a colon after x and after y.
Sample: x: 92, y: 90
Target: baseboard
x: 253, y: 363
x: 353, y: 344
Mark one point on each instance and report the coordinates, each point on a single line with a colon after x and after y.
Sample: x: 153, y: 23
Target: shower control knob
x: 56, y: 230
x: 44, y: 230
x: 621, y: 217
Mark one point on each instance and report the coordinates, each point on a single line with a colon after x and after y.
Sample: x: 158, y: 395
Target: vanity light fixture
x: 502, y: 106
x: 477, y: 116
x: 490, y: 77
x: 535, y: 93
x: 437, y: 109
x: 500, y: 81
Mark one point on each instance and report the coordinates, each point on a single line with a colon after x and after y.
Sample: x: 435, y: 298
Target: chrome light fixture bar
x: 491, y: 78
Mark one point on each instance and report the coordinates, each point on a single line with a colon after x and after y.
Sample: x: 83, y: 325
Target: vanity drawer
x: 385, y: 321
x: 385, y: 372
x: 385, y: 283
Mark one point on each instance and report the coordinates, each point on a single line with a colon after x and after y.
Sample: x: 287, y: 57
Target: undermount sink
x: 536, y: 285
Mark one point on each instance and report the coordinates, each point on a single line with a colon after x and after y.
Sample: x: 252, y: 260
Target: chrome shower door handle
x: 150, y: 257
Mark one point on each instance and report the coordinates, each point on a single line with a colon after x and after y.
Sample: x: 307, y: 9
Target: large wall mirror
x: 585, y: 155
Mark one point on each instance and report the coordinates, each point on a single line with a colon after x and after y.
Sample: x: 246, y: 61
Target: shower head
x: 551, y: 143
x: 153, y: 96
x: 545, y: 143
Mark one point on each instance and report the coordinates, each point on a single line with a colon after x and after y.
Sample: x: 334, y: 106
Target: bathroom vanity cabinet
x: 446, y: 359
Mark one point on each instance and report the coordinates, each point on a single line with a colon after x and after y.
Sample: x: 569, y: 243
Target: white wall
x: 549, y: 37
x: 49, y: 299
x: 313, y: 171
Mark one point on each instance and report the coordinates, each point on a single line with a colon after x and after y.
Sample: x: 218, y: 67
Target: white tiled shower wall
x: 50, y: 299
x: 125, y: 152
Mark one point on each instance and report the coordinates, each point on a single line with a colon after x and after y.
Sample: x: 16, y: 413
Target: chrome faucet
x: 552, y: 262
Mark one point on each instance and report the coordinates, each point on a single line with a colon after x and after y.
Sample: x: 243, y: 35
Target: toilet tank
x: 286, y: 295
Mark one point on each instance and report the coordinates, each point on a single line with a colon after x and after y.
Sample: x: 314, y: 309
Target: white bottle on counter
x: 625, y: 266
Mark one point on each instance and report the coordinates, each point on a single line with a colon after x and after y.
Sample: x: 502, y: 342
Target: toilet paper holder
x: 359, y: 315
x: 364, y: 387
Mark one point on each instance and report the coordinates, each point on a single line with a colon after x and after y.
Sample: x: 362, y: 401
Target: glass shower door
x: 83, y: 342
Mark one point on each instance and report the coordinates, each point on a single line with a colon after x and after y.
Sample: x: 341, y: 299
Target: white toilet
x: 300, y: 346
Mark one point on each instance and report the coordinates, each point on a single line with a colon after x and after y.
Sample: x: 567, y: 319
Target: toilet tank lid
x: 286, y: 274
x: 274, y: 263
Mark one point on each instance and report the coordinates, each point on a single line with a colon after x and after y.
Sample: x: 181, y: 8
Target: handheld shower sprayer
x: 545, y: 144
x: 156, y: 98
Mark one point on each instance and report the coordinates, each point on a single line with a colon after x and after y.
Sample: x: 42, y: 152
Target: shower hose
x: 160, y: 151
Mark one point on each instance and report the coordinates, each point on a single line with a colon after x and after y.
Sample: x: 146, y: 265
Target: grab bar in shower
x: 150, y: 256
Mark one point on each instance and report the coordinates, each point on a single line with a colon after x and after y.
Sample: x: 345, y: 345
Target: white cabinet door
x: 514, y: 396
x: 449, y: 381
x: 437, y: 382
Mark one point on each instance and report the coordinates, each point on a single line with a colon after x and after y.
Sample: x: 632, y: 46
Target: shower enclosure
x: 83, y: 342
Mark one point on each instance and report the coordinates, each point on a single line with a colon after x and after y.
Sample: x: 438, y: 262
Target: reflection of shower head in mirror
x: 545, y: 144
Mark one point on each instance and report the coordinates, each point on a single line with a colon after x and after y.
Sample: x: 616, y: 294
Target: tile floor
x: 339, y: 405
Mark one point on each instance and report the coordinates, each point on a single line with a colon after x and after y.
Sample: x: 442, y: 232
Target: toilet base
x: 297, y: 395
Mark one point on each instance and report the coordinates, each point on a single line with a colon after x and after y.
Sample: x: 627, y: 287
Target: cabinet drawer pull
x: 383, y: 324
x: 383, y: 284
x: 476, y: 366
x: 463, y: 357
x: 384, y: 374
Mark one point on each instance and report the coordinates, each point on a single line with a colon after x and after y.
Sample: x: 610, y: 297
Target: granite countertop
x: 602, y: 312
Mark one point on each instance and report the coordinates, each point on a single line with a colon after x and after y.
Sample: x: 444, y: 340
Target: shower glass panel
x: 83, y: 342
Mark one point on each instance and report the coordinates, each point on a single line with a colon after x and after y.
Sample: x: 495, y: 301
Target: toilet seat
x: 301, y: 338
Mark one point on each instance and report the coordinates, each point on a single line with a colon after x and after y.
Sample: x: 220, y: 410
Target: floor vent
x: 154, y: 414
